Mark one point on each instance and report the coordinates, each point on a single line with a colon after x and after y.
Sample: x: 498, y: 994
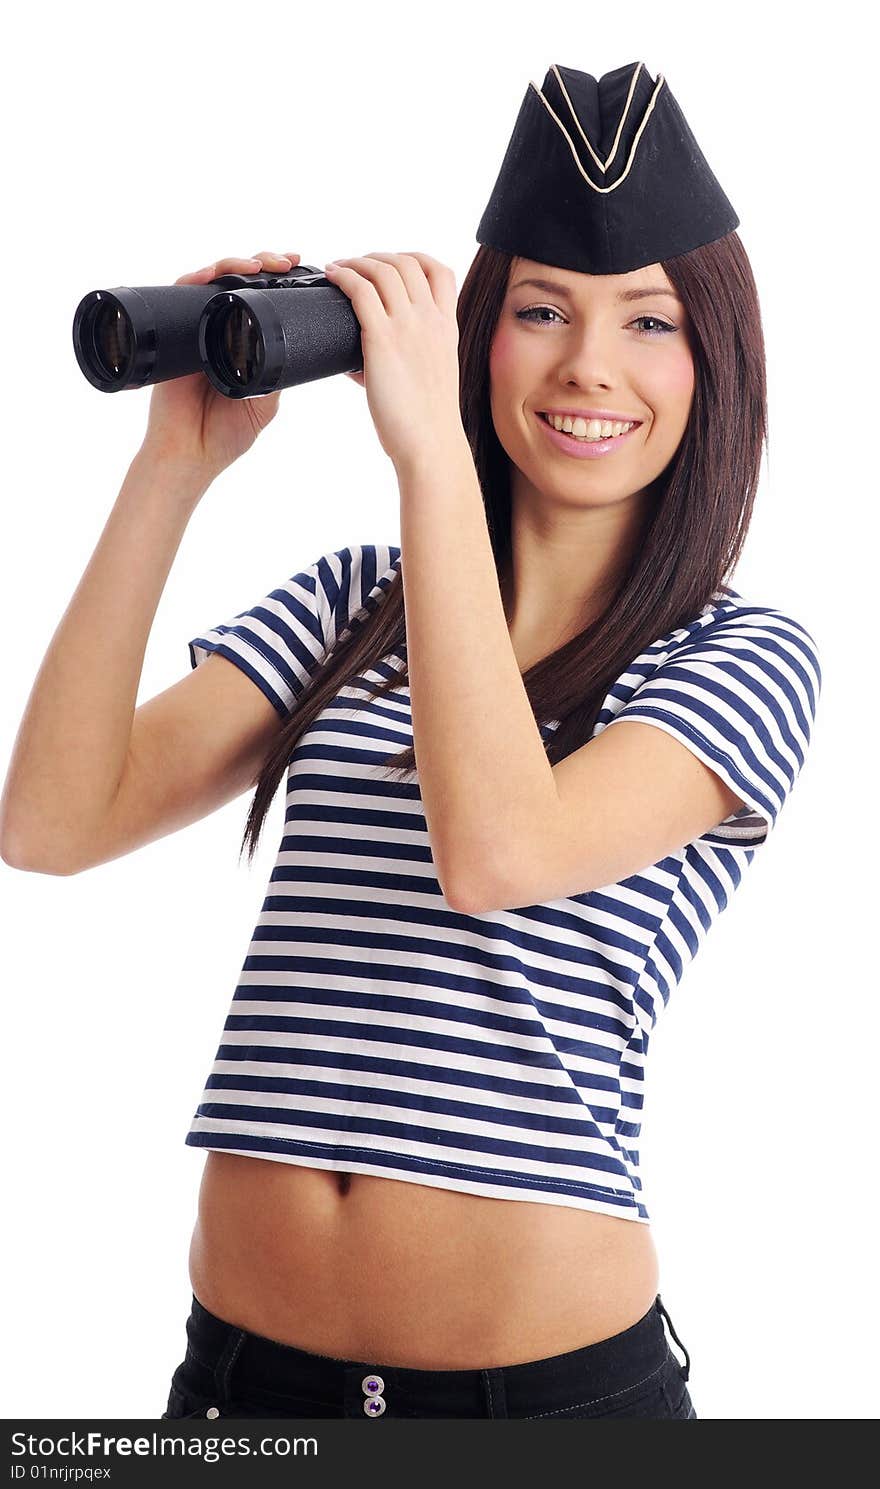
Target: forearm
x: 483, y: 772
x: 74, y: 736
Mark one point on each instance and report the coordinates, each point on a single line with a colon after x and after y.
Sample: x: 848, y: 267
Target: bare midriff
x: 362, y: 1267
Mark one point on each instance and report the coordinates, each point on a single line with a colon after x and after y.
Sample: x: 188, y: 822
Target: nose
x: 587, y: 361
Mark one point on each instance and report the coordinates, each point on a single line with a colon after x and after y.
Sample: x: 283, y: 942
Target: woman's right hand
x: 189, y: 421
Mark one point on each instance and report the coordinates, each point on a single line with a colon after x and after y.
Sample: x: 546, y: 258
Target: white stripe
x: 549, y: 999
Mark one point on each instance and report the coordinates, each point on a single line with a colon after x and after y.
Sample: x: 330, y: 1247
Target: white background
x: 144, y: 143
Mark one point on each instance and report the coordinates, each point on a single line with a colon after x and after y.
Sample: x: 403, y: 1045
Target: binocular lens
x: 236, y: 344
x: 250, y: 334
x: 107, y: 329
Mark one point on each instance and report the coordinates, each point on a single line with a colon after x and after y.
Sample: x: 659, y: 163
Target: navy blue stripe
x: 246, y: 667
x: 347, y: 1153
x: 362, y: 989
x: 399, y: 1069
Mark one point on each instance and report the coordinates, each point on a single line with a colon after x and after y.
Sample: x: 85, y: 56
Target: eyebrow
x: 554, y: 288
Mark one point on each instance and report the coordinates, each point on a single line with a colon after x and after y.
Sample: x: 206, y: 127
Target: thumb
x: 265, y: 408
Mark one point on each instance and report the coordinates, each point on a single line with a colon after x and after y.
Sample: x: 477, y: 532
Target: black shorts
x: 230, y: 1372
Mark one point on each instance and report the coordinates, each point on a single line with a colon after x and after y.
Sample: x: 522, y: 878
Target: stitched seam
x: 716, y: 753
x: 231, y: 1361
x: 254, y: 645
x: 206, y: 1364
x: 469, y: 1169
x: 490, y: 1379
x: 594, y: 1400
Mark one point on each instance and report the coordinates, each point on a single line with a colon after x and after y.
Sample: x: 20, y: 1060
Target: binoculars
x: 251, y: 334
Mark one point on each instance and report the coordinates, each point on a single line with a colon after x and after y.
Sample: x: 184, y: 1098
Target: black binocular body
x: 251, y: 334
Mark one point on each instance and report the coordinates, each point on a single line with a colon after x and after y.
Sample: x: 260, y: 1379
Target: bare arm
x: 69, y: 774
x: 72, y: 744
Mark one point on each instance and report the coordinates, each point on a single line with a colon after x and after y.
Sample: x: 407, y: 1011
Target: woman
x: 439, y: 1034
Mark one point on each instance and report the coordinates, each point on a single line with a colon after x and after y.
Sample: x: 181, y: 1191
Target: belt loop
x: 228, y: 1356
x: 496, y: 1393
x: 686, y: 1368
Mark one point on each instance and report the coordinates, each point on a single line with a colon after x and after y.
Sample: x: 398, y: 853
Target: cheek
x: 506, y: 376
x: 516, y: 359
x: 501, y: 356
x: 670, y: 390
x: 680, y: 376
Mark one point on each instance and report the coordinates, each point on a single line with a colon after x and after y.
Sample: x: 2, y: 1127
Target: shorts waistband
x: 243, y: 1361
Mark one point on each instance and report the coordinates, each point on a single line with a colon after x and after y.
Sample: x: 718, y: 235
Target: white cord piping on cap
x: 629, y: 98
x: 603, y: 190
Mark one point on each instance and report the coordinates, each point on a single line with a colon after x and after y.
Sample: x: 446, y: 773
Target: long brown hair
x: 692, y: 540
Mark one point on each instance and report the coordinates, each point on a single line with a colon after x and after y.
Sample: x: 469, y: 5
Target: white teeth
x: 588, y: 429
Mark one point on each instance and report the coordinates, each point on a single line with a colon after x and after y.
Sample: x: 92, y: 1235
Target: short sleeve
x: 283, y: 639
x: 742, y: 697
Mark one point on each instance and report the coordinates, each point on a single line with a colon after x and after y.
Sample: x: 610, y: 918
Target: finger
x: 238, y: 265
x: 441, y: 279
x: 198, y: 276
x: 270, y: 262
x: 388, y: 286
x: 412, y: 273
x: 270, y: 259
x: 223, y: 266
x: 367, y: 303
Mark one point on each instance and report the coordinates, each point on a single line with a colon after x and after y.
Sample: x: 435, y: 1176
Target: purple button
x: 372, y: 1385
x: 374, y: 1406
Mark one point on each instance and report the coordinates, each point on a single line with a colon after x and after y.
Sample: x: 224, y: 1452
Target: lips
x: 633, y: 423
x: 602, y: 418
x: 584, y: 449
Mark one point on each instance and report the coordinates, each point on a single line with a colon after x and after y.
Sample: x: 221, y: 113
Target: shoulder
x: 763, y: 630
x: 732, y: 621
x: 368, y: 562
x: 746, y: 658
x: 736, y: 657
x: 353, y: 579
x: 356, y: 568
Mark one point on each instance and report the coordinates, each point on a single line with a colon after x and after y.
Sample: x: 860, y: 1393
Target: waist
x: 230, y: 1372
x: 421, y: 1277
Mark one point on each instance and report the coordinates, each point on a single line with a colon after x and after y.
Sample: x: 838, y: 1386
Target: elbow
x: 37, y: 868
x: 461, y: 903
x: 484, y: 893
x: 478, y: 888
x: 11, y: 854
x: 457, y: 887
x: 16, y: 856
x: 470, y: 897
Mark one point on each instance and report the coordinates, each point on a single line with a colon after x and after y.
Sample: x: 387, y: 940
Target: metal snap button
x: 213, y: 1411
x: 372, y: 1385
x: 374, y: 1406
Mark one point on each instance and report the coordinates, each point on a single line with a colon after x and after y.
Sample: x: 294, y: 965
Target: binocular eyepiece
x: 251, y: 334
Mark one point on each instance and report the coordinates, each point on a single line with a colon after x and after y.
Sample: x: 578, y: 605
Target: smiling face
x: 590, y: 343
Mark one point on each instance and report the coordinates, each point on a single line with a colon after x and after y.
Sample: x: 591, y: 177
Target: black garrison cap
x: 603, y: 177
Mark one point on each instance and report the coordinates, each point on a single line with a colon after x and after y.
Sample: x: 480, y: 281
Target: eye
x: 662, y: 328
x: 534, y: 310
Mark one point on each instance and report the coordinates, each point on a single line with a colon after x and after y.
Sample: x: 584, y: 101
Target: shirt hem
x: 465, y: 1177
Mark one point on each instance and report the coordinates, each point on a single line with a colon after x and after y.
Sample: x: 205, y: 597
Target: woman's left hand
x: 406, y: 306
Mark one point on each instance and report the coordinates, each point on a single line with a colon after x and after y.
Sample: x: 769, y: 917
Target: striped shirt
x: 377, y: 1030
